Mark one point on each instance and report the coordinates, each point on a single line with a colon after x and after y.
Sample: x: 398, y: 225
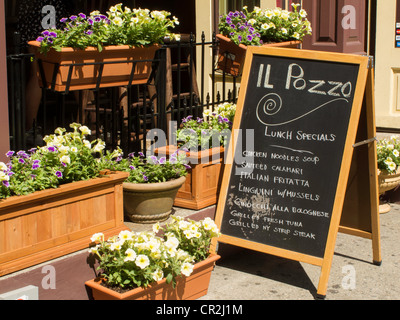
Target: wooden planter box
x: 231, y: 56
x: 202, y: 185
x: 115, y: 72
x: 187, y: 288
x: 51, y: 223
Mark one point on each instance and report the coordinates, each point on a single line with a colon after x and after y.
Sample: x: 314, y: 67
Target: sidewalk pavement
x: 243, y: 274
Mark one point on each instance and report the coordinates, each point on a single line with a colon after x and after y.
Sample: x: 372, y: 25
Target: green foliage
x: 137, y: 259
x: 210, y: 131
x: 65, y: 158
x: 264, y: 26
x: 388, y: 153
x: 120, y: 26
x: 146, y: 169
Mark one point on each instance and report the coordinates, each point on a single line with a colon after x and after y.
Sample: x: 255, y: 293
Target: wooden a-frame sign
x: 301, y: 163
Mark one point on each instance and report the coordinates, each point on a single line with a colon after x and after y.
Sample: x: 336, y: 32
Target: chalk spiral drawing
x: 271, y: 104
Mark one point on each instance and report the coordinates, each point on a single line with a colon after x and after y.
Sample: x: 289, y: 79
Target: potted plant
x: 270, y: 27
x: 152, y: 184
x: 175, y: 265
x: 119, y: 39
x: 388, y: 155
x: 53, y: 197
x: 203, y: 140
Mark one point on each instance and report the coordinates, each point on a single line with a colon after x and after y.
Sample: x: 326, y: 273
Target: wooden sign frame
x: 325, y: 262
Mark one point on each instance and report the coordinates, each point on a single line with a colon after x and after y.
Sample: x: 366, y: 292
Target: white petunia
x: 187, y: 269
x: 142, y: 261
x: 97, y: 237
x: 130, y: 255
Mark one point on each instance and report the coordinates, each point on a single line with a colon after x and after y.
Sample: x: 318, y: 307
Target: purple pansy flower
x: 9, y: 154
x: 82, y: 15
x: 6, y: 183
x: 59, y: 174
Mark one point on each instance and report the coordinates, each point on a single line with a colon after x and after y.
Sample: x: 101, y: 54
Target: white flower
x: 99, y: 146
x: 142, y: 261
x: 187, y: 269
x: 156, y: 227
x: 125, y: 235
x: 65, y: 159
x: 130, y: 255
x: 74, y: 149
x: 303, y: 13
x: 85, y: 130
x: 265, y: 26
x: 87, y: 144
x: 3, y: 166
x: 97, y: 237
x: 116, y: 246
x: 396, y: 153
x: 158, y: 275
x: 63, y: 149
x: 172, y: 242
x: 4, y: 176
x: 117, y: 21
x: 208, y: 223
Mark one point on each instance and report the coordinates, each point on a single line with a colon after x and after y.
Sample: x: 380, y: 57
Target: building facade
x: 351, y: 26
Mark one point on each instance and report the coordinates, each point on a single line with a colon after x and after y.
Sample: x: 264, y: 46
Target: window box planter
x: 203, y: 181
x: 82, y: 68
x: 187, y: 288
x: 51, y: 223
x: 231, y: 56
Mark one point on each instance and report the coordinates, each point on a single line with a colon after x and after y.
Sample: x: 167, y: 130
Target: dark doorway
x: 185, y: 11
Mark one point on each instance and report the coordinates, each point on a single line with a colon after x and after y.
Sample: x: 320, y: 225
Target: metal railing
x: 177, y: 87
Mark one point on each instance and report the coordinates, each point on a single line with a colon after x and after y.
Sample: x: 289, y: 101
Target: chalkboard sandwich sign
x: 292, y: 142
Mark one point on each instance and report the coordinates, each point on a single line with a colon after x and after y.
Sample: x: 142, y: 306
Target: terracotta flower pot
x: 150, y: 202
x: 231, y: 56
x: 203, y: 181
x: 57, y: 66
x: 187, y: 288
x: 51, y: 223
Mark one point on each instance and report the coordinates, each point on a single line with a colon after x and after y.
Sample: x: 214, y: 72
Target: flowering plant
x: 200, y: 132
x: 263, y: 26
x: 133, y: 259
x: 133, y: 27
x: 388, y: 152
x: 144, y: 169
x: 194, y: 236
x: 66, y: 157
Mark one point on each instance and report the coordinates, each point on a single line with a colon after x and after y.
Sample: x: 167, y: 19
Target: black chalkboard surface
x: 299, y: 110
